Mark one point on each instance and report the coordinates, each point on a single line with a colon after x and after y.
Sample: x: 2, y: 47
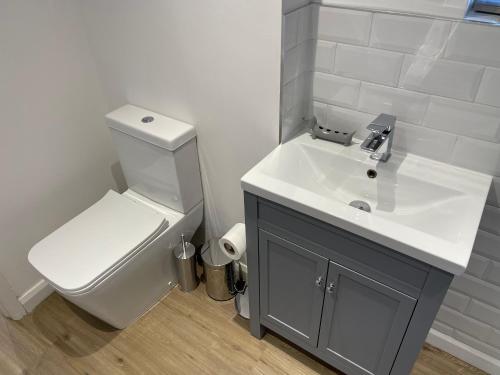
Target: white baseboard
x: 35, y: 295
x: 464, y: 352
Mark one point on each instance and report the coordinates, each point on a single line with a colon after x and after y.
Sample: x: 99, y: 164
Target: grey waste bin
x: 218, y: 269
x: 185, y: 258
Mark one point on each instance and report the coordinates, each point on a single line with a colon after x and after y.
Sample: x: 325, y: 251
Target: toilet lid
x: 87, y: 246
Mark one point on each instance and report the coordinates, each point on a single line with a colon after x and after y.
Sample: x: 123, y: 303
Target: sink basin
x: 422, y: 208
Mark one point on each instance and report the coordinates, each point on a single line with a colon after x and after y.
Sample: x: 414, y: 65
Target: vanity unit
x: 358, y: 289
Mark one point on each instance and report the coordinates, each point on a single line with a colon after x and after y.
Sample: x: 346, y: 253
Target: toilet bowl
x: 115, y: 260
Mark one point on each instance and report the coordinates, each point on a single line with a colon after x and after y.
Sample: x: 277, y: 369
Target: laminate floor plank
x: 186, y: 333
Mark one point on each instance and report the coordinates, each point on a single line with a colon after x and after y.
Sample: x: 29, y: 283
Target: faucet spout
x: 379, y: 142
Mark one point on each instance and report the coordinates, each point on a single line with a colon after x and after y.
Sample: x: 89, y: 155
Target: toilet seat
x: 89, y: 247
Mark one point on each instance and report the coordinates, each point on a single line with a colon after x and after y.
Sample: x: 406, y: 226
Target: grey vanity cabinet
x: 363, y: 322
x: 357, y: 322
x: 359, y: 306
x: 292, y: 288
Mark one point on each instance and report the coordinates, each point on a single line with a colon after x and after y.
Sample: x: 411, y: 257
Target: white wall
x: 299, y: 33
x: 442, y: 80
x: 212, y: 63
x: 55, y: 152
x: 215, y: 64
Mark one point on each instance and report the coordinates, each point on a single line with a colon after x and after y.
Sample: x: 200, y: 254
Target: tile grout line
x: 372, y: 16
x: 479, y: 84
x: 398, y: 84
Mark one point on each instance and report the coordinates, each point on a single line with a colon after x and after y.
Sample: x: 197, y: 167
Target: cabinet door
x: 363, y: 322
x: 292, y: 284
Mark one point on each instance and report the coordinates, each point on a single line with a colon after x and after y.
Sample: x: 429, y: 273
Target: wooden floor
x: 184, y: 334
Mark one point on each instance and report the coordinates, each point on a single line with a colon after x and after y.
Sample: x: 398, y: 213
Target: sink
x: 422, y: 208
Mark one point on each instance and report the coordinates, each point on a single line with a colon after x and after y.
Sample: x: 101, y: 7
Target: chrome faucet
x: 379, y: 142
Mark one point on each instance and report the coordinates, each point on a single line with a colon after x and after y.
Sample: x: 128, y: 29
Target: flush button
x: 147, y: 119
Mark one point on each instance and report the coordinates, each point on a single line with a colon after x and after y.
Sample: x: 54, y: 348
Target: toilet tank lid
x: 151, y: 127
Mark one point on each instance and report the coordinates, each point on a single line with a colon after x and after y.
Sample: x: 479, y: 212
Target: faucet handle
x: 382, y: 123
x: 376, y: 128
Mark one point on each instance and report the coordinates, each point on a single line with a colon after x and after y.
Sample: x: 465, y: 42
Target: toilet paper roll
x: 234, y: 243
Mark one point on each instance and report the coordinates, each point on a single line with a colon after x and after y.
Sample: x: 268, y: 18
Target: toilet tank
x: 158, y: 156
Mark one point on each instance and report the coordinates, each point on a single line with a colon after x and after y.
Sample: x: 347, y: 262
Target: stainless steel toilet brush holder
x: 185, y: 258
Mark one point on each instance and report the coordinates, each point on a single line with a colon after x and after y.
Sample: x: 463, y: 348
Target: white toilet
x: 115, y: 260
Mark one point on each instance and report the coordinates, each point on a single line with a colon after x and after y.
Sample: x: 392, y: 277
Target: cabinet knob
x: 319, y: 281
x: 330, y: 288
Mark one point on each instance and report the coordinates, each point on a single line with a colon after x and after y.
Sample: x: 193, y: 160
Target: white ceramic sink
x: 422, y: 208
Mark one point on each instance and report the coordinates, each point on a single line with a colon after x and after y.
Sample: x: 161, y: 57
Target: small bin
x: 185, y: 258
x: 218, y: 269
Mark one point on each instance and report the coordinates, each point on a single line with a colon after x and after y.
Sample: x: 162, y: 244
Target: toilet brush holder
x: 185, y: 257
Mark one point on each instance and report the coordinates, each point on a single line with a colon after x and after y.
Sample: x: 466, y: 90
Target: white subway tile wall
x: 494, y: 194
x: 325, y: 56
x: 343, y: 25
x: 495, y: 339
x: 490, y: 220
x: 478, y: 289
x: 442, y: 8
x: 346, y: 119
x: 477, y: 344
x: 456, y: 300
x: 493, y: 275
x: 479, y: 155
x: 299, y: 45
x: 442, y: 80
x: 468, y: 119
x: 477, y: 265
x: 308, y: 25
x: 319, y: 110
x: 474, y: 43
x: 484, y: 313
x: 291, y: 5
x: 441, y: 77
x: 291, y: 30
x: 408, y: 106
x: 488, y: 244
x: 368, y: 64
x: 409, y: 34
x: 488, y: 91
x: 430, y: 143
x: 473, y: 327
x: 336, y: 90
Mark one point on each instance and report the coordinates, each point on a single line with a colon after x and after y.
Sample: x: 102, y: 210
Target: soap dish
x: 331, y: 134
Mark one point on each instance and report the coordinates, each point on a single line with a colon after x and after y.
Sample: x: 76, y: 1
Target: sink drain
x: 361, y: 205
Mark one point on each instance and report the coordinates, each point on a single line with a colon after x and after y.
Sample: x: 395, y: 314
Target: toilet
x: 115, y: 260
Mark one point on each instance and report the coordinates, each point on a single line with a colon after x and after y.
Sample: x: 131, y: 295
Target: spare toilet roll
x: 234, y: 243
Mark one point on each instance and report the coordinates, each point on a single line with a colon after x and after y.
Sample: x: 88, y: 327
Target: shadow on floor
x: 291, y: 349
x: 71, y: 329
